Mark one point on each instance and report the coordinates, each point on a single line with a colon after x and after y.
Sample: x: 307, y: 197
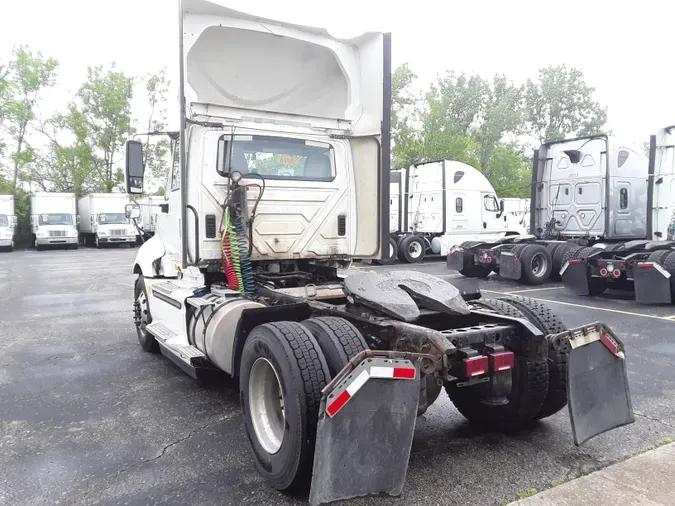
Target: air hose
x: 230, y: 266
x: 245, y: 261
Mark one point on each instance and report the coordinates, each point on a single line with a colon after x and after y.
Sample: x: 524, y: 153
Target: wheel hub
x: 539, y: 264
x: 266, y: 402
x: 414, y: 249
x: 141, y: 311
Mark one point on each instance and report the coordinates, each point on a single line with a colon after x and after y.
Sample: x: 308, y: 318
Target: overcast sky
x: 625, y: 52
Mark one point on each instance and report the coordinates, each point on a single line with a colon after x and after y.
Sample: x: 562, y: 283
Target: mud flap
x: 509, y: 265
x: 652, y: 283
x: 455, y: 260
x: 468, y: 288
x: 365, y: 431
x: 597, y: 382
x: 575, y: 277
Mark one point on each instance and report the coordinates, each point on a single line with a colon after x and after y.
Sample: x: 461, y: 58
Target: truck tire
x: 536, y: 264
x: 570, y: 253
x: 142, y: 312
x: 529, y: 388
x: 470, y: 269
x: 393, y: 251
x: 615, y: 247
x: 668, y: 262
x: 412, y: 249
x: 596, y: 286
x: 546, y: 321
x: 281, y: 377
x: 557, y: 259
x: 338, y: 339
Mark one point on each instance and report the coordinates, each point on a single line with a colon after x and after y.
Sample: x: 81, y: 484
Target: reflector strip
x: 645, y: 265
x: 375, y: 372
x: 502, y: 361
x: 575, y: 262
x: 475, y: 366
x: 611, y: 346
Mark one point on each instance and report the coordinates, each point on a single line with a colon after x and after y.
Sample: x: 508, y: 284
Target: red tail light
x: 575, y: 261
x: 646, y: 266
x: 616, y: 273
x: 603, y: 272
x: 475, y: 366
x: 489, y: 260
x: 503, y: 361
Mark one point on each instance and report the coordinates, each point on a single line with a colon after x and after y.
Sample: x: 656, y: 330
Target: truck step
x: 165, y: 334
x: 175, y: 346
x: 175, y: 292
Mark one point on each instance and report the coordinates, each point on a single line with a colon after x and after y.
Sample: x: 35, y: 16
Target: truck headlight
x: 40, y: 233
x: 101, y: 233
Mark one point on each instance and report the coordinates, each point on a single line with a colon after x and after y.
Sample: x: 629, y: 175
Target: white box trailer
x: 103, y: 220
x: 53, y: 219
x: 7, y: 222
x: 434, y: 205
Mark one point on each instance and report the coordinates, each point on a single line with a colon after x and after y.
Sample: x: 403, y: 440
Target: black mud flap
x: 468, y: 288
x: 597, y: 382
x: 366, y: 425
x: 575, y: 277
x: 455, y: 260
x: 652, y: 283
x: 509, y: 265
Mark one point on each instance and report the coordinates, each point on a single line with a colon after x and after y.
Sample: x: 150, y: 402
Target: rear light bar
x: 475, y: 366
x: 502, y: 361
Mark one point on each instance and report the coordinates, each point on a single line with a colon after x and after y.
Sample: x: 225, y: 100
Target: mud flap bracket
x: 365, y: 431
x: 597, y: 382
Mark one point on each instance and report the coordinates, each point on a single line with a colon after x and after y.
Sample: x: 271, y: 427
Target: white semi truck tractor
x: 437, y: 204
x: 53, y: 220
x: 103, y: 220
x: 7, y: 222
x: 150, y: 208
x: 282, y: 181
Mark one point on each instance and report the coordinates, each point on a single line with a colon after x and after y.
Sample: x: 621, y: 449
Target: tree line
x: 80, y: 148
x: 490, y: 124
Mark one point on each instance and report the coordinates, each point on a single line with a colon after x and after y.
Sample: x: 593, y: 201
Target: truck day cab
x: 53, y: 220
x: 7, y: 222
x: 283, y: 179
x: 103, y: 220
x: 435, y: 205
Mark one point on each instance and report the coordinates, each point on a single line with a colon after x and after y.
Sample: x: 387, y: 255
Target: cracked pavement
x: 88, y: 418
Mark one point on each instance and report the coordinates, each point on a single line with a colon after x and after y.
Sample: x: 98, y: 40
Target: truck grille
x: 117, y: 231
x: 57, y: 233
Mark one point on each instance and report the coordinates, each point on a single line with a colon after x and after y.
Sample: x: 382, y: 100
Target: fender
x: 153, y: 260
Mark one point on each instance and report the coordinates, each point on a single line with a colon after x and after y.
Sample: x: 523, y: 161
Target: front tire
x: 287, y: 352
x: 142, y: 316
x: 412, y: 249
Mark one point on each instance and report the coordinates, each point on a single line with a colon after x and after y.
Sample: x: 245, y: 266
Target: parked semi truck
x: 586, y: 192
x: 435, y: 205
x: 103, y: 220
x: 646, y: 265
x: 245, y: 276
x: 53, y: 220
x: 7, y: 222
x: 150, y: 211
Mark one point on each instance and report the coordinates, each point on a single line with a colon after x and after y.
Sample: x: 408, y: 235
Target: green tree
x: 406, y: 145
x: 560, y: 104
x: 157, y: 148
x: 29, y: 74
x: 100, y: 118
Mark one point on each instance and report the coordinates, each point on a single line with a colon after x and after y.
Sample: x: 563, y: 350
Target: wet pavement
x: 88, y: 418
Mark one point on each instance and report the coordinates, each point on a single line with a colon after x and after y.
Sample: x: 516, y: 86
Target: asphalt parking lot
x: 86, y: 417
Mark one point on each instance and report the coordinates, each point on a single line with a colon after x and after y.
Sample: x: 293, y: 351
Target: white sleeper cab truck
x: 103, y: 220
x: 53, y: 220
x: 283, y: 179
x: 7, y: 222
x: 435, y: 205
x: 587, y: 194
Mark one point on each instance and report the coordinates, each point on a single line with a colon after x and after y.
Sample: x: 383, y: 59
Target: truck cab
x: 7, y: 222
x: 103, y: 220
x: 54, y: 220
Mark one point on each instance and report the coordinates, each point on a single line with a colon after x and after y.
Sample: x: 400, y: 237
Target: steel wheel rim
x: 539, y: 264
x: 415, y: 249
x: 391, y: 250
x: 142, y: 302
x: 266, y: 404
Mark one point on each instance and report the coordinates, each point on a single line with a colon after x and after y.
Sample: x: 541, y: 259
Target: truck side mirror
x: 501, y: 208
x: 132, y: 211
x: 134, y: 168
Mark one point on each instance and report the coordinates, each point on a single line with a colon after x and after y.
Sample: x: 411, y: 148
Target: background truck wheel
x: 528, y: 392
x: 546, y: 321
x: 412, y: 249
x: 142, y: 316
x: 338, y: 339
x: 558, y: 259
x: 615, y: 247
x: 393, y: 252
x: 536, y: 263
x: 569, y: 254
x: 282, y: 374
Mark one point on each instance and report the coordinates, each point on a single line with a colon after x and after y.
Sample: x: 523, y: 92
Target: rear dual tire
x: 412, y: 249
